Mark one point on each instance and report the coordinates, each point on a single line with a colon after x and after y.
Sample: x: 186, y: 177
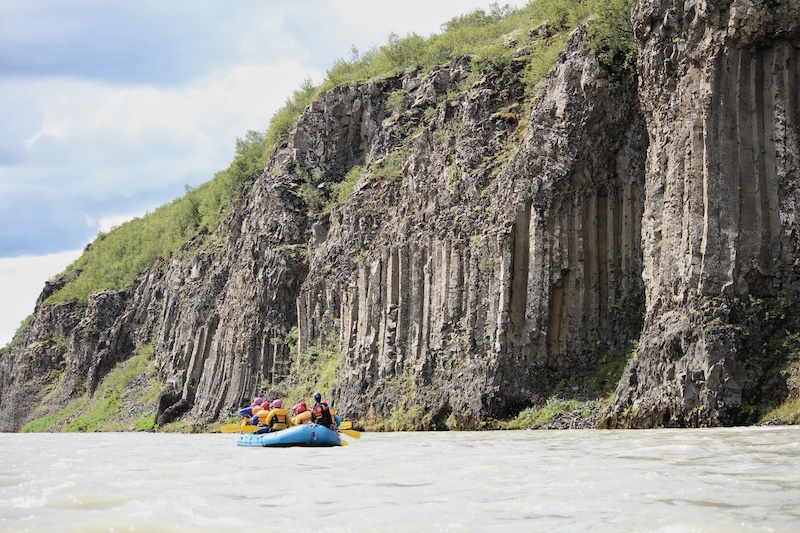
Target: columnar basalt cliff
x: 720, y: 90
x: 495, y: 259
x: 502, y: 239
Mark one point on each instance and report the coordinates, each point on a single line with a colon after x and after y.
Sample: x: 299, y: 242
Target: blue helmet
x: 317, y: 396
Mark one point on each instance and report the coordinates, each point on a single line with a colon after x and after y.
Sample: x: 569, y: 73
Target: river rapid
x: 734, y: 479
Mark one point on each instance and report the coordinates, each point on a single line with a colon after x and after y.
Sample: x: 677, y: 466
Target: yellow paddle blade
x: 351, y: 433
x: 238, y: 428
x: 343, y: 442
x: 346, y: 424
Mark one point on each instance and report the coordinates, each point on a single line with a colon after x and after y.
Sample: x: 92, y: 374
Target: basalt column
x: 720, y: 232
x: 583, y: 265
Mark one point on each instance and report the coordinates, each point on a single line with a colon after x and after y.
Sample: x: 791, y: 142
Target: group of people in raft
x: 272, y: 416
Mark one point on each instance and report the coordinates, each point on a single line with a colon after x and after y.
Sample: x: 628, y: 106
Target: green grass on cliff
x: 537, y: 416
x: 488, y: 37
x: 125, y: 400
x: 117, y: 258
x: 319, y: 365
x: 787, y: 413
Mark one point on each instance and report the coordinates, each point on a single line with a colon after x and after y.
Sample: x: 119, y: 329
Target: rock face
x: 502, y: 237
x: 497, y: 254
x: 720, y: 91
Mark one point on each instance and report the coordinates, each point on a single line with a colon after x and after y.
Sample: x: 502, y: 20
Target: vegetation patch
x: 786, y: 413
x: 343, y: 189
x: 315, y: 369
x: 611, y: 35
x: 538, y: 416
x: 390, y: 168
x: 405, y: 411
x: 51, y: 421
x: 117, y: 405
x: 405, y: 419
x: 395, y: 101
x: 603, y: 380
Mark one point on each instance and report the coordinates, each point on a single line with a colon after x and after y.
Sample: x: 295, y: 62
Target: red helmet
x: 276, y: 404
x: 300, y: 408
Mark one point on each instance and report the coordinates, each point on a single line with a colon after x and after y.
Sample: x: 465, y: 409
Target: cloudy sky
x: 110, y: 108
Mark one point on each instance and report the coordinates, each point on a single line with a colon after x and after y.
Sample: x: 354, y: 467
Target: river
x: 733, y: 479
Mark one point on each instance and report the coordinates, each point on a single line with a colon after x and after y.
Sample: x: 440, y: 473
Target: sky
x: 110, y: 109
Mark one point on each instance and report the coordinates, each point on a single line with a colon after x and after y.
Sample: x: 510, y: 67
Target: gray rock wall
x: 719, y: 87
x: 498, y: 259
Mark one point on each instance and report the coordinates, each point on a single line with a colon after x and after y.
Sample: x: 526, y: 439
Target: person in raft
x: 321, y: 413
x: 247, y: 412
x: 260, y: 412
x: 276, y: 418
x: 301, y: 413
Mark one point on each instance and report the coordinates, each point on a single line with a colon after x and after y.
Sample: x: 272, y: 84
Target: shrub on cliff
x: 488, y: 36
x: 611, y: 35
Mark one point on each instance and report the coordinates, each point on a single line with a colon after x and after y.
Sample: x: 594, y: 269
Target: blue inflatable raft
x: 301, y: 435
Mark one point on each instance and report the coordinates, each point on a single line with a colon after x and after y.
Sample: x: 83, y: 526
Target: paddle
x: 238, y: 428
x: 350, y: 433
x: 346, y: 428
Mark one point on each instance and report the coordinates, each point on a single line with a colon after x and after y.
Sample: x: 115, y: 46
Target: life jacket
x: 262, y: 416
x: 277, y: 419
x: 321, y: 414
x: 302, y: 418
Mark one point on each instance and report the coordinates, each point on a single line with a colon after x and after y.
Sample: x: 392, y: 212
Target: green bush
x: 49, y: 421
x: 611, y: 35
x: 106, y: 405
x: 532, y: 416
x: 477, y: 33
x: 145, y: 423
x: 283, y: 119
x: 343, y: 189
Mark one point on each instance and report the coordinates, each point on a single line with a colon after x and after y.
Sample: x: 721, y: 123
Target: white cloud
x: 422, y: 17
x: 21, y: 281
x: 109, y: 146
x: 147, y: 134
x: 110, y: 149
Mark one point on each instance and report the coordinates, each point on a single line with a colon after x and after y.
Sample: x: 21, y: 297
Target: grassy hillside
x: 117, y: 258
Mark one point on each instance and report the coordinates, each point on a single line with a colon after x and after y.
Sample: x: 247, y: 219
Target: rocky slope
x: 503, y: 239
